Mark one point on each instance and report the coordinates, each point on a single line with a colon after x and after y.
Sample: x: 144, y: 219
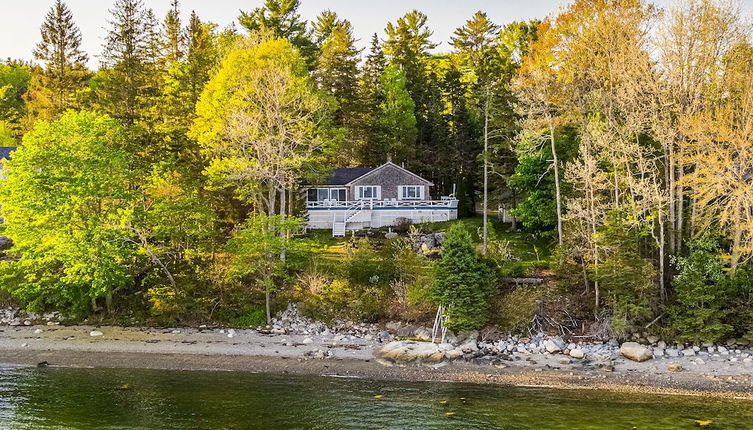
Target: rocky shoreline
x: 393, y: 351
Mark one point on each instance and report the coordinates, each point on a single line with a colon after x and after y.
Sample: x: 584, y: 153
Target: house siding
x: 389, y: 178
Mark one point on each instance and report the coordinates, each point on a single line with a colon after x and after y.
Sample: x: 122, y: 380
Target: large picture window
x: 411, y: 192
x: 322, y: 194
x: 368, y: 192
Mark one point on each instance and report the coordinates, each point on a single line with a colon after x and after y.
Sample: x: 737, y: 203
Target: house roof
x: 5, y: 152
x: 388, y: 164
x: 346, y: 175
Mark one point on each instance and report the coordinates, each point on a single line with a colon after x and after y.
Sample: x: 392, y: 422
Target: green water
x: 56, y: 398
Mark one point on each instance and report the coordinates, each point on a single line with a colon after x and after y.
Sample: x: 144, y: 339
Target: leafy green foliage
x: 14, y: 81
x: 462, y: 283
x: 67, y: 205
x: 534, y: 178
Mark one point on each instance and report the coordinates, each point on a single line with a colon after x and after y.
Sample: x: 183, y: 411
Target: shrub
x: 462, y: 283
x: 513, y: 311
x: 699, y: 310
x: 252, y: 318
x: 628, y: 280
x: 364, y: 266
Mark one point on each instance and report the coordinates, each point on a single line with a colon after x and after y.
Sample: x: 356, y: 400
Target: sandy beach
x: 346, y: 356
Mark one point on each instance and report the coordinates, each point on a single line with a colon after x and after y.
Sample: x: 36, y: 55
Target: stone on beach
x: 636, y: 352
x: 577, y: 353
x: 412, y: 352
x: 95, y: 333
x: 554, y: 345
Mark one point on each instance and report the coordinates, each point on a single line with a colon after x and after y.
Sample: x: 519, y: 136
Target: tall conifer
x: 54, y: 86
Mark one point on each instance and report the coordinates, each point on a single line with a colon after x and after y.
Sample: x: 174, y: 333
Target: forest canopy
x: 166, y: 181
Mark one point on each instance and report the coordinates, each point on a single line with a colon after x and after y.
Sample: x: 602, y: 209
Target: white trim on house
x: 410, y: 192
x: 389, y: 163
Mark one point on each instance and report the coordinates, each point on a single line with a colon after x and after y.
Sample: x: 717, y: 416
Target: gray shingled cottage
x: 359, y: 197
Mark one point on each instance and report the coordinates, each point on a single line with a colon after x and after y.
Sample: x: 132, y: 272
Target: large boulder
x: 409, y: 352
x: 554, y: 345
x: 422, y: 333
x: 406, y: 331
x: 636, y: 352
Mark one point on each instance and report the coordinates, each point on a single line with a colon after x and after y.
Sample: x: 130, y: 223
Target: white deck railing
x: 371, y: 204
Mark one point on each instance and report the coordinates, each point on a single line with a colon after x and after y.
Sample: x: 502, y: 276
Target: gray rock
x: 393, y: 325
x: 577, y: 353
x: 95, y: 333
x: 406, y: 331
x: 463, y: 335
x: 469, y: 345
x: 636, y: 352
x: 408, y: 351
x: 554, y: 345
x: 690, y: 352
x: 422, y: 333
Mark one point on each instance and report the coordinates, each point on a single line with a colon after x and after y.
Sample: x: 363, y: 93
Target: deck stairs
x: 340, y: 222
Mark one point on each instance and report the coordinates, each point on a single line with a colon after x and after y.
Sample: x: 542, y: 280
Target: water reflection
x: 54, y: 398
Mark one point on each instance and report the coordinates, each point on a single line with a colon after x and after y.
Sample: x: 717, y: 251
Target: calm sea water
x: 125, y: 399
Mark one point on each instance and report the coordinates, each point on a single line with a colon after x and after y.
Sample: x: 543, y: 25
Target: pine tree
x: 462, y: 283
x: 322, y: 28
x: 407, y: 46
x: 53, y: 88
x: 372, y: 71
x: 201, y: 56
x: 280, y: 18
x: 173, y: 37
x: 129, y: 61
x: 337, y: 74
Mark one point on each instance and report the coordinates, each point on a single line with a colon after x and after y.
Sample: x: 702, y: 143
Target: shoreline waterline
x: 619, y: 381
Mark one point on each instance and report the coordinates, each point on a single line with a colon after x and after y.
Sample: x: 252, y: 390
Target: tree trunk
x: 680, y: 211
x: 672, y: 200
x: 737, y: 238
x: 267, y: 305
x: 558, y: 196
x: 662, y: 257
x: 486, y: 175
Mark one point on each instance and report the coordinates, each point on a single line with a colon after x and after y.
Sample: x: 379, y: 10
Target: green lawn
x: 525, y: 246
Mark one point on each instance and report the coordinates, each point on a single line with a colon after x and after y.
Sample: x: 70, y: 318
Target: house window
x: 322, y: 194
x: 411, y: 192
x: 368, y: 192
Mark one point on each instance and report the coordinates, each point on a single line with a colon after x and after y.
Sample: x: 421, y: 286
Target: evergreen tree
x: 173, y: 37
x: 371, y: 98
x: 396, y: 121
x: 465, y: 145
x: 322, y: 28
x: 463, y: 285
x: 337, y: 74
x: 130, y: 55
x: 372, y: 71
x: 408, y: 44
x: 280, y: 18
x: 54, y: 87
